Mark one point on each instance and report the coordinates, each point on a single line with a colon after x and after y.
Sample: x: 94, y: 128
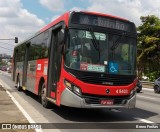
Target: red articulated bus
x: 82, y: 59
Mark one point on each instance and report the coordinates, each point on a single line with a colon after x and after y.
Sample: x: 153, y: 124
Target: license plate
x: 107, y: 102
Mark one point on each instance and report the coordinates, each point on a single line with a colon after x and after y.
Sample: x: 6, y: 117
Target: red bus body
x: 37, y: 72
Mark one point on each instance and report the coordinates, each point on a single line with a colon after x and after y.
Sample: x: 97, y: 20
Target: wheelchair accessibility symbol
x: 113, y: 67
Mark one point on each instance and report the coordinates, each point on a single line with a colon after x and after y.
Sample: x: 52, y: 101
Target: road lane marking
x: 30, y: 120
x: 141, y: 96
x: 144, y: 120
x: 23, y: 111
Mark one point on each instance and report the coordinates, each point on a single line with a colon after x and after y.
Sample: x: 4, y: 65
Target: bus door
x: 54, y: 65
x: 25, y: 64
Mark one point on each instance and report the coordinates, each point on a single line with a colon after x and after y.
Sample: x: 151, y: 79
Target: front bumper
x: 68, y: 98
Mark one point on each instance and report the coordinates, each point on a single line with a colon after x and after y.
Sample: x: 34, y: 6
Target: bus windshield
x: 101, y: 52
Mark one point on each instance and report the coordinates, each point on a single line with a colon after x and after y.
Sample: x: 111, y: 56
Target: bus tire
x: 18, y: 84
x: 156, y: 89
x: 44, y: 101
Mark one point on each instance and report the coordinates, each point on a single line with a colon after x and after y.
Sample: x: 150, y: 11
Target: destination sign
x: 101, y: 21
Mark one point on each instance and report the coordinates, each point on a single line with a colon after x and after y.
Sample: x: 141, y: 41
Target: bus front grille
x: 107, y: 80
x: 94, y: 99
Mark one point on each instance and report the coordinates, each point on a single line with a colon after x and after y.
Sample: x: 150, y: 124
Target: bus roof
x: 64, y: 18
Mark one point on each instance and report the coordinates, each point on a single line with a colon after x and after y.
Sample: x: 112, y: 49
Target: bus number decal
x: 122, y: 91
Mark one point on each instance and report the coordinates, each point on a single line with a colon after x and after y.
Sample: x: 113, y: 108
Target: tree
x: 149, y: 47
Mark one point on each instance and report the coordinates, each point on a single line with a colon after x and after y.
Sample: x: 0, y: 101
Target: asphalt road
x: 147, y: 111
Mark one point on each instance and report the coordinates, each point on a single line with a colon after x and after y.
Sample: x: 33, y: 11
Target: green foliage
x: 153, y: 75
x: 149, y: 47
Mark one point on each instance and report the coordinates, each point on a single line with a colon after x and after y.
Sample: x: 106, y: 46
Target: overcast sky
x: 22, y: 18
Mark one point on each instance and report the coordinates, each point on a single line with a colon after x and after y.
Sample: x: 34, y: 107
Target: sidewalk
x: 9, y: 113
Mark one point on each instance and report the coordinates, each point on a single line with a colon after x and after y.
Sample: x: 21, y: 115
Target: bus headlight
x: 75, y: 89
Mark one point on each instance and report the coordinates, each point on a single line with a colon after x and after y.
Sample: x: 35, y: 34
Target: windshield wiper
x: 116, y: 43
x: 94, y: 41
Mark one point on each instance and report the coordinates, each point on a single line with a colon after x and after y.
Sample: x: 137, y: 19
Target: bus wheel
x: 44, y: 100
x: 18, y: 84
